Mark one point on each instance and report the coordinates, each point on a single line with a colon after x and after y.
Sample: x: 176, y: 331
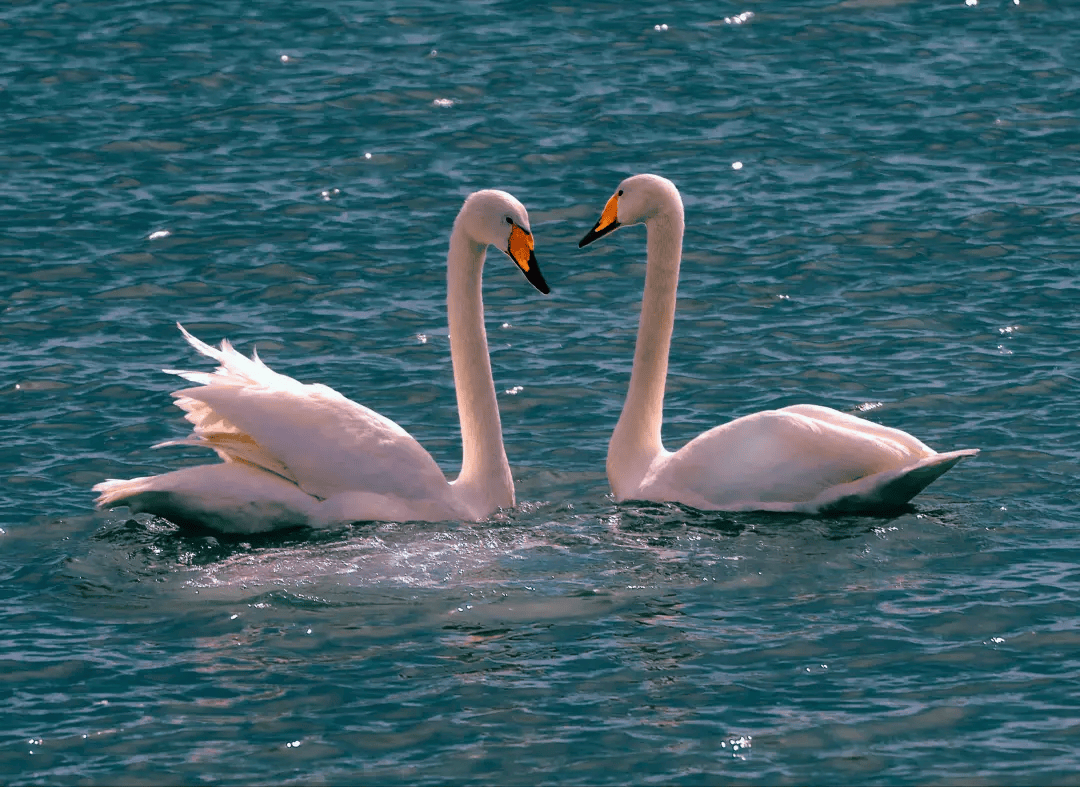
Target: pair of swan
x: 298, y: 454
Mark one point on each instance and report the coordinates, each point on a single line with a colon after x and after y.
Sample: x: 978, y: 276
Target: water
x: 899, y: 240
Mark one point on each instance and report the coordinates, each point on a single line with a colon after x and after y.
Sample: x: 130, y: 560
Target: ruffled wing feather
x: 308, y: 434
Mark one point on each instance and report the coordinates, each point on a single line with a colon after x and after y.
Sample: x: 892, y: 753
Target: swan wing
x: 847, y: 421
x: 803, y: 458
x: 310, y: 435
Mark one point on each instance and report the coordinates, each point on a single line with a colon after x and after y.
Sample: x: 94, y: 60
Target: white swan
x: 298, y: 454
x: 803, y: 458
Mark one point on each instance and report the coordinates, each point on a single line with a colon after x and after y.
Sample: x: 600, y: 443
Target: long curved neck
x: 484, y: 482
x: 636, y: 439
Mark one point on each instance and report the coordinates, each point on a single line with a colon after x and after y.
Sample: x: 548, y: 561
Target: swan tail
x: 147, y: 494
x: 893, y: 488
x: 231, y: 498
x: 116, y: 492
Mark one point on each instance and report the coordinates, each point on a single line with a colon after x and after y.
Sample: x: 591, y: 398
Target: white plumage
x: 803, y: 458
x: 296, y: 454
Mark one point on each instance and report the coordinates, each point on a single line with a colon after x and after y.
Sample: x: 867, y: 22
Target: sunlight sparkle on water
x: 740, y: 747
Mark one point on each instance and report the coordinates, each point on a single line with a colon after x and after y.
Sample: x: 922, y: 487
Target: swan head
x: 495, y: 218
x: 638, y: 200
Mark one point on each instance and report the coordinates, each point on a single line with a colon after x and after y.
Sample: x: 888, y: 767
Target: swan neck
x: 484, y: 481
x: 636, y: 440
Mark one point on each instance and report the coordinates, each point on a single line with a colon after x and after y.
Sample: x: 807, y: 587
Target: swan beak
x: 609, y: 221
x: 520, y: 250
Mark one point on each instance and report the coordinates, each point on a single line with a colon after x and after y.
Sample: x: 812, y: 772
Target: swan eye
x: 509, y: 220
x: 619, y: 194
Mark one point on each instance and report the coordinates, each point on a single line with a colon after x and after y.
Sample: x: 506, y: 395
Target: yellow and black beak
x: 520, y: 250
x: 609, y: 222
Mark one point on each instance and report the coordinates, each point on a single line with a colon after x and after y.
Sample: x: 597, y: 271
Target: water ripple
x: 898, y: 242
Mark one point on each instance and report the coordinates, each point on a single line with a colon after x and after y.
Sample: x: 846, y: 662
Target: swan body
x: 296, y: 454
x: 803, y: 458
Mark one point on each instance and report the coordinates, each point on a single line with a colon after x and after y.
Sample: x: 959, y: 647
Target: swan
x: 804, y: 458
x: 297, y: 454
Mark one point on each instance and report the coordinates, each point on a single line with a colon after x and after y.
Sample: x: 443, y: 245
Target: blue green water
x: 901, y: 239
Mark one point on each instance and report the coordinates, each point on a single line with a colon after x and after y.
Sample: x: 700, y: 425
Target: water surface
x: 898, y: 239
